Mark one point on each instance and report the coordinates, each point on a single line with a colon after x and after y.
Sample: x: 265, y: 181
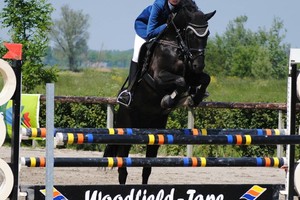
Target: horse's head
x: 190, y: 28
x: 196, y: 35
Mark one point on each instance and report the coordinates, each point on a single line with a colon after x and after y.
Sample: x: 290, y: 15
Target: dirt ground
x: 160, y: 175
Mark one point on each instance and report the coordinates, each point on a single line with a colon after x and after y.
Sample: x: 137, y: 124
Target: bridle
x: 189, y: 54
x: 193, y: 27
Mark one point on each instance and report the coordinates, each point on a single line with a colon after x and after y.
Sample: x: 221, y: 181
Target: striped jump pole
x: 156, y: 162
x: 41, y: 132
x: 159, y: 139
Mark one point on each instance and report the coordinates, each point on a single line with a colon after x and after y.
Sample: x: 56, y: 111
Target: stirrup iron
x: 124, y: 98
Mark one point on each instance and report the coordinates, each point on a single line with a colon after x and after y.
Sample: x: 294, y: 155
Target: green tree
x: 2, y: 48
x: 70, y: 36
x: 215, y: 57
x: 234, y: 52
x: 244, y: 53
x: 262, y: 67
x: 29, y: 23
x: 238, y: 39
x: 272, y: 40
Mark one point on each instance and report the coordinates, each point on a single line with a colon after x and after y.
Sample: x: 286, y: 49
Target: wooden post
x: 110, y: 116
x: 191, y: 123
x: 280, y: 126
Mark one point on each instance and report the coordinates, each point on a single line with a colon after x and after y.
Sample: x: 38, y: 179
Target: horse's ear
x: 208, y: 16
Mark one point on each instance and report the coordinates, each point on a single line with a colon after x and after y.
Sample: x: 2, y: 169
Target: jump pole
x: 156, y: 162
x: 41, y: 132
x: 160, y: 139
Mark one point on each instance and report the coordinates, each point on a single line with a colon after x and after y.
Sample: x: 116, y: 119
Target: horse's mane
x: 190, y: 5
x: 185, y: 12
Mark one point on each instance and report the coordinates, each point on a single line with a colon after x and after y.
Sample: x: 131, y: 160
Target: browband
x: 191, y: 26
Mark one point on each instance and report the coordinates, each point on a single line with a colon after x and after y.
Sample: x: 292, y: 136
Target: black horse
x: 175, y: 71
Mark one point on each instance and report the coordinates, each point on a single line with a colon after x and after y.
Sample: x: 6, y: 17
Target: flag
x: 253, y: 193
x: 14, y: 51
x: 56, y: 194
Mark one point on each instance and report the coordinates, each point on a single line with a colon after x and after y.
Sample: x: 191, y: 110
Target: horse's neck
x: 170, y: 36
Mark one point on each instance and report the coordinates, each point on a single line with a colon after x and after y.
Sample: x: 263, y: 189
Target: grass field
x: 107, y: 82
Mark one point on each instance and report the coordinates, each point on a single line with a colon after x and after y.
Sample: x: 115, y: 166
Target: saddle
x: 146, y: 52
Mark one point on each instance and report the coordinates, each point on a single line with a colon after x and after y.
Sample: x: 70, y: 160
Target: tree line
x: 93, y: 58
x: 243, y: 53
x: 237, y: 52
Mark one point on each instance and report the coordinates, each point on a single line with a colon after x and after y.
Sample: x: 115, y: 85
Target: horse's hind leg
x: 151, y: 152
x: 123, y: 151
x: 110, y: 150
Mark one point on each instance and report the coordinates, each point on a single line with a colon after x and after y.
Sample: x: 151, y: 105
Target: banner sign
x: 30, y: 108
x: 159, y: 192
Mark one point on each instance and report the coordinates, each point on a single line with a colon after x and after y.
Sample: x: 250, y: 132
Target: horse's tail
x: 110, y: 150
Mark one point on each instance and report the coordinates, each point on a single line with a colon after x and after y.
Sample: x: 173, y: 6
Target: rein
x: 184, y: 49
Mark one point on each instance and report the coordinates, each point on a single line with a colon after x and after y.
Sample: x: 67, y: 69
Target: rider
x: 148, y: 25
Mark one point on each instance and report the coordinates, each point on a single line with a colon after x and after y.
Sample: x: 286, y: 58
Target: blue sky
x: 111, y: 21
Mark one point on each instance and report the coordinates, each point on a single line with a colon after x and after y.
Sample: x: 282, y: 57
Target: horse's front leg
x: 123, y: 151
x: 150, y: 152
x: 171, y: 82
x: 200, y: 83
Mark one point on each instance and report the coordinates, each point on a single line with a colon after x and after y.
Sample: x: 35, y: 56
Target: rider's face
x: 174, y: 2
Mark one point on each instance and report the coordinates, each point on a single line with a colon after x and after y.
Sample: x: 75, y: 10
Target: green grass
x: 234, y: 89
x: 90, y: 82
x: 107, y: 82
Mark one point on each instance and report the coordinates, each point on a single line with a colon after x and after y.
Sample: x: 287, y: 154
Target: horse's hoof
x: 167, y: 102
x: 198, y: 98
x: 206, y: 94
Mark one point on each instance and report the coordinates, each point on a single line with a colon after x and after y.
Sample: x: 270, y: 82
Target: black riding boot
x: 133, y: 73
x: 125, y: 96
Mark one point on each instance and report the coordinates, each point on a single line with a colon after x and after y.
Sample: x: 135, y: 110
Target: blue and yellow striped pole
x: 41, y: 132
x: 154, y: 139
x: 157, y: 162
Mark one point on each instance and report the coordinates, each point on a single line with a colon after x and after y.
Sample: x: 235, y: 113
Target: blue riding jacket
x: 153, y: 20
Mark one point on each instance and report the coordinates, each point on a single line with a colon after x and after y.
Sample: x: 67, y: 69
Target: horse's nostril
x: 198, y: 68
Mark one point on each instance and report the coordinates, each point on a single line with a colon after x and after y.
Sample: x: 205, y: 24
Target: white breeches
x: 138, y: 42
